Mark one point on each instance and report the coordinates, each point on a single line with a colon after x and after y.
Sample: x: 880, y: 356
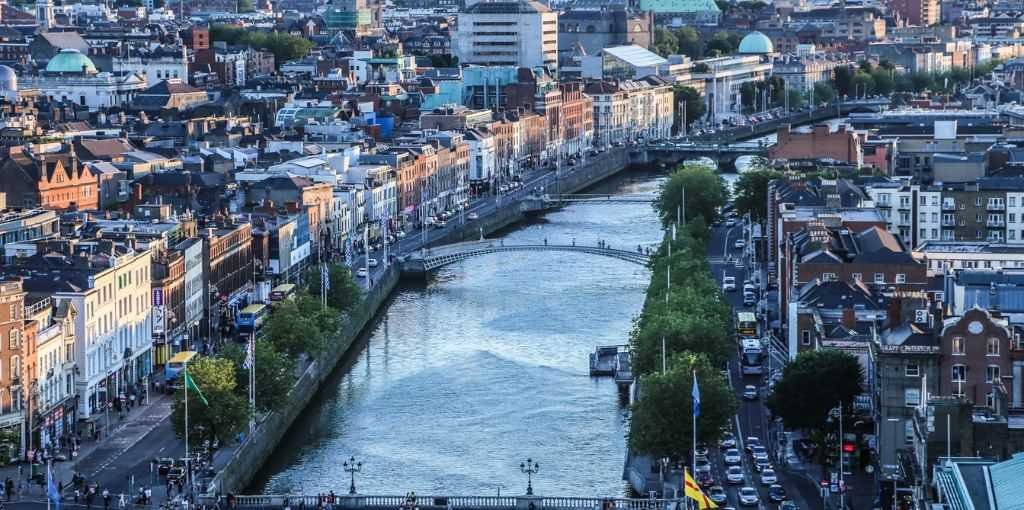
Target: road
x: 752, y: 418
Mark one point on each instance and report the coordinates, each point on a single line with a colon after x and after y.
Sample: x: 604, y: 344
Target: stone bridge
x: 424, y: 261
x: 528, y: 502
x: 723, y: 154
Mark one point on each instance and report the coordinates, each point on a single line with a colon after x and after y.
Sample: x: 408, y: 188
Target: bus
x: 751, y: 356
x: 746, y: 325
x: 282, y: 292
x: 176, y: 364
x: 250, y: 319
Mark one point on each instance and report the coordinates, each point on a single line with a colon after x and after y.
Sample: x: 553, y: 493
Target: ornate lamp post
x: 530, y: 467
x: 352, y: 467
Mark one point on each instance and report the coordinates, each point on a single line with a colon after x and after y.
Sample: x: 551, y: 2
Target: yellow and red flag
x: 692, y: 491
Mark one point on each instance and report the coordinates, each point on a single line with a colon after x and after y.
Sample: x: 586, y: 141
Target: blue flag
x: 696, y: 396
x: 51, y: 488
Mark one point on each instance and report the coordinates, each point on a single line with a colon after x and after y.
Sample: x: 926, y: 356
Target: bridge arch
x: 425, y: 261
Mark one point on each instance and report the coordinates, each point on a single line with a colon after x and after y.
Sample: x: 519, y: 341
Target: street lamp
x: 530, y: 467
x: 352, y: 467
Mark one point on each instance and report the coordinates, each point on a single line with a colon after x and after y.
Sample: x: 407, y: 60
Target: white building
x: 329, y: 168
x: 482, y: 156
x: 380, y: 183
x: 193, y: 251
x: 943, y: 256
x: 157, y: 64
x: 72, y: 76
x: 53, y: 394
x: 508, y: 33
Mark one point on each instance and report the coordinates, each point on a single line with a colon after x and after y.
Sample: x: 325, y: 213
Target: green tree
x: 284, y: 46
x: 693, y: 108
x: 751, y: 192
x: 883, y: 80
x: 275, y: 374
x: 705, y: 194
x: 722, y: 43
x: 796, y: 99
x: 293, y: 332
x: 225, y: 412
x: 343, y: 292
x: 661, y: 423
x: 444, y: 60
x: 664, y: 42
x: 823, y: 93
x: 843, y: 78
x: 813, y: 384
x: 688, y: 42
x: 863, y: 84
x: 748, y: 95
x: 244, y: 6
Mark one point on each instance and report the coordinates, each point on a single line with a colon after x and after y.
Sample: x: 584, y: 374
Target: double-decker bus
x: 746, y: 325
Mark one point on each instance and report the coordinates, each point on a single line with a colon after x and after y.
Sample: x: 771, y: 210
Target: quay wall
x: 237, y: 468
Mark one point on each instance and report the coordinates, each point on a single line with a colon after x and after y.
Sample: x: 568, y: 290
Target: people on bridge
x: 640, y: 249
x: 545, y: 241
x: 574, y: 241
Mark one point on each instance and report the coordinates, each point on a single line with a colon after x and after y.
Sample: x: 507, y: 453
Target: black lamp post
x: 352, y: 467
x: 530, y: 467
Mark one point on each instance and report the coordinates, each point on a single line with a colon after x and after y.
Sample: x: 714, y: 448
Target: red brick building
x: 48, y: 179
x: 975, y: 357
x: 840, y: 145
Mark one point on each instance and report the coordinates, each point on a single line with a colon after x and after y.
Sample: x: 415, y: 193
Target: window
x: 908, y: 431
x: 828, y: 277
x: 959, y: 373
x: 805, y: 337
x: 992, y: 374
x: 912, y: 397
x: 879, y: 278
x: 958, y: 345
x: 857, y: 277
x: 990, y: 399
x: 1011, y: 218
x: 992, y: 347
x: 901, y: 278
x: 912, y: 370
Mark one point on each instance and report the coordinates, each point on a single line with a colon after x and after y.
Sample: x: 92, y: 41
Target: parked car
x: 732, y: 456
x: 734, y: 475
x: 749, y: 287
x: 748, y: 497
x: 729, y: 283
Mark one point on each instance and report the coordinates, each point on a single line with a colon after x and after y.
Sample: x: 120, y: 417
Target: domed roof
x: 756, y: 43
x: 8, y: 79
x: 70, y: 61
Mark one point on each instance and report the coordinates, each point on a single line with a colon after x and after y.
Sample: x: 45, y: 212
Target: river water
x: 466, y: 376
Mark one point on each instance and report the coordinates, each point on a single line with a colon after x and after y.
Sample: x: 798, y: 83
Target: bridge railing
x: 389, y: 502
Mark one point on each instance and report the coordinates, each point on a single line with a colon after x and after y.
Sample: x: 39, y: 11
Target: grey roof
x: 635, y: 55
x: 1006, y: 482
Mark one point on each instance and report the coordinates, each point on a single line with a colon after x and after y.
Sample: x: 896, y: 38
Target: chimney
x: 849, y: 317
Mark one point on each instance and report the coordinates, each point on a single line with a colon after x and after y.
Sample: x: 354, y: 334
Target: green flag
x: 190, y: 385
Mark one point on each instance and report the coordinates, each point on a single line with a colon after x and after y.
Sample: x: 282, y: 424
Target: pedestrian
x: 545, y: 241
x: 106, y: 499
x: 149, y: 495
x: 88, y: 500
x: 9, y: 486
x: 121, y: 502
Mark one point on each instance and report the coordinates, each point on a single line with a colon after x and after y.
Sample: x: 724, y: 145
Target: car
x: 759, y: 452
x: 734, y: 475
x: 702, y: 450
x: 400, y: 234
x: 750, y: 392
x: 749, y: 298
x: 702, y: 466
x: 732, y: 456
x: 750, y: 442
x: 768, y: 477
x: 717, y: 494
x: 728, y: 441
x: 440, y: 224
x: 762, y: 464
x: 776, y: 493
x: 748, y: 497
x: 371, y: 262
x: 705, y: 480
x: 730, y: 223
x: 788, y: 505
x: 472, y: 216
x: 361, y: 272
x: 740, y: 244
x: 729, y: 283
x: 749, y: 287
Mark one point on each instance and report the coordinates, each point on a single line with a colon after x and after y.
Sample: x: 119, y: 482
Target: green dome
x: 756, y: 43
x: 70, y: 61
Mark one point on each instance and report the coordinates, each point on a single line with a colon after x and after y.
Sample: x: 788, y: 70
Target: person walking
x: 106, y: 499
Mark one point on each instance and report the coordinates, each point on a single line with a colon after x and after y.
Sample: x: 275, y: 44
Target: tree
x: 285, y: 47
x: 796, y: 99
x: 244, y: 6
x: 883, y: 80
x: 664, y: 42
x: 748, y: 95
x: 225, y: 411
x: 292, y: 331
x: 688, y: 42
x: 863, y: 84
x: 705, y: 194
x: 843, y: 77
x: 751, y: 192
x: 813, y: 384
x: 822, y: 93
x: 343, y: 292
x: 661, y: 423
x: 722, y: 43
x: 693, y: 108
x: 275, y: 374
x: 444, y: 60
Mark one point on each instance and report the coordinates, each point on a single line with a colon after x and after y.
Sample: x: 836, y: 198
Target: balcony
x: 948, y: 206
x: 995, y: 223
x: 992, y: 206
x: 949, y: 222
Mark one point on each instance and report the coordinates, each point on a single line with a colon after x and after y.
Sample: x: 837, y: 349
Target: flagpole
x: 252, y: 383
x: 693, y: 453
x: 185, y: 384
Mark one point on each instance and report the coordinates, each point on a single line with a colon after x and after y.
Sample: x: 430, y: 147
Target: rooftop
x: 635, y: 55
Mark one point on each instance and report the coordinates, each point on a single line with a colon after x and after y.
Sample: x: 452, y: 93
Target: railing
x: 995, y: 223
x: 996, y: 207
x: 454, y: 502
x: 433, y: 262
x: 948, y: 223
x: 948, y: 206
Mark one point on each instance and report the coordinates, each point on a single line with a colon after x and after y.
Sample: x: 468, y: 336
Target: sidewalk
x: 94, y: 456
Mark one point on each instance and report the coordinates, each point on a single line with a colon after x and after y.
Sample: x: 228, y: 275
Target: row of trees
x: 882, y: 78
x: 297, y: 330
x: 687, y: 41
x: 683, y: 307
x: 284, y: 46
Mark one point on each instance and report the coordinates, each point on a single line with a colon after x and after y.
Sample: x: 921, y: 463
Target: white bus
x: 751, y: 356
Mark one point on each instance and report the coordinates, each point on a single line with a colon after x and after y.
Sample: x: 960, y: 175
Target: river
x: 464, y: 377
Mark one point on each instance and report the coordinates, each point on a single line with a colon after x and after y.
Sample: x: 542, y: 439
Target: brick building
x: 976, y: 362
x: 821, y: 143
x: 49, y: 176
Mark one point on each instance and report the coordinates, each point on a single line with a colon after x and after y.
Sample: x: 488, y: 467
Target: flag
x: 191, y: 385
x: 348, y: 251
x: 51, y: 488
x: 696, y: 396
x: 325, y: 277
x: 247, y: 364
x: 692, y: 491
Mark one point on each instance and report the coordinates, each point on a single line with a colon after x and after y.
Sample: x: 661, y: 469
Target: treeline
x: 684, y: 307
x: 284, y: 46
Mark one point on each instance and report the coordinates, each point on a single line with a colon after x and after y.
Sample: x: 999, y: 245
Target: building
x: 508, y: 33
x: 53, y: 403
x: 12, y: 388
x: 916, y: 12
x: 945, y: 256
x: 593, y: 30
x: 20, y: 228
x: 49, y: 176
x: 975, y: 357
x: 723, y: 77
x: 679, y: 13
x: 72, y: 76
x: 841, y: 145
x: 228, y: 269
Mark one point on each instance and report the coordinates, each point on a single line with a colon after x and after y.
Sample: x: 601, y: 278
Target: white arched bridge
x: 424, y: 261
x: 374, y: 502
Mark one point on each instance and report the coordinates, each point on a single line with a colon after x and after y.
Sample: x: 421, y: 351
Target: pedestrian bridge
x: 424, y: 261
x: 370, y: 502
x: 601, y: 198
